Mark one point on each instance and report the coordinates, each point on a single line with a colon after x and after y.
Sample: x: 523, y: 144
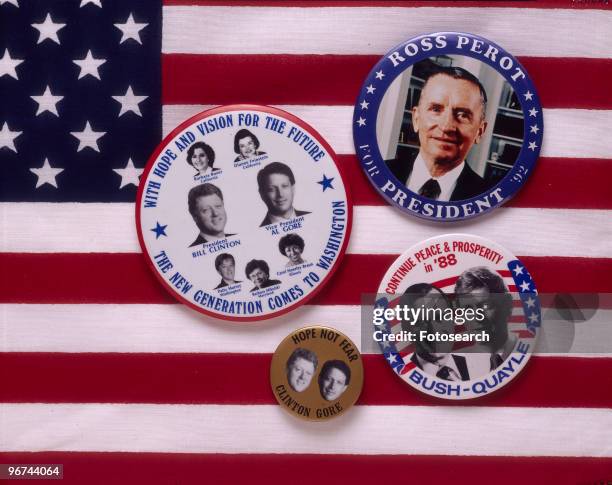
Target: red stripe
x: 336, y: 79
x: 125, y: 278
x: 565, y: 4
x: 220, y: 379
x: 178, y: 468
x: 556, y: 183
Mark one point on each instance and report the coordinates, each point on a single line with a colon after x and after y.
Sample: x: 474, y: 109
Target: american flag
x: 103, y: 372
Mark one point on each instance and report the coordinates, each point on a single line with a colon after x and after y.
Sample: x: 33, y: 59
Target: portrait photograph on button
x: 457, y: 316
x: 316, y: 373
x: 448, y: 126
x: 243, y: 212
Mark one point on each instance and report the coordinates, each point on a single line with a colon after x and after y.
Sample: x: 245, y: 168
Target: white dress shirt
x: 420, y: 174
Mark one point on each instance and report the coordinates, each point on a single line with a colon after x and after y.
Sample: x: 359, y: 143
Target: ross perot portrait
x: 449, y: 128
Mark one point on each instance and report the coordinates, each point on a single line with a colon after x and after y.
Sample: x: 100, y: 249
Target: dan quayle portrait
x: 449, y: 132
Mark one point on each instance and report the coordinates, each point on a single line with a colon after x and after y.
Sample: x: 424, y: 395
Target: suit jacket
x: 201, y: 240
x: 267, y: 220
x: 469, y: 183
x: 460, y: 363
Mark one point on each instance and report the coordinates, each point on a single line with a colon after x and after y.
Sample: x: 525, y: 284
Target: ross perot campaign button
x: 316, y: 373
x: 243, y: 212
x: 448, y: 126
x: 456, y: 316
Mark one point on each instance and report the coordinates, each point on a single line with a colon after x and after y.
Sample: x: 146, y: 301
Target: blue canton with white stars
x: 80, y: 98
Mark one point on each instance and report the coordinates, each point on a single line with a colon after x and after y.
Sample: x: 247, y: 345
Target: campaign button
x: 243, y: 212
x: 448, y: 126
x: 456, y: 316
x: 316, y: 373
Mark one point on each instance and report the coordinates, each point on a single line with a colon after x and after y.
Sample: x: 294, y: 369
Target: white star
x: 46, y: 174
x: 518, y: 269
x: 534, y: 129
x: 370, y: 89
x: 391, y: 358
x: 532, y: 146
x: 8, y: 65
x: 47, y: 102
x: 130, y: 30
x: 88, y: 137
x: 379, y: 74
x: 364, y: 104
x: 530, y: 302
x: 7, y: 137
x: 524, y: 286
x: 97, y: 3
x: 129, y: 174
x: 533, y: 112
x: 10, y: 2
x: 361, y: 122
x: 528, y: 96
x: 129, y: 102
x: 48, y: 29
x: 533, y: 318
x: 89, y: 65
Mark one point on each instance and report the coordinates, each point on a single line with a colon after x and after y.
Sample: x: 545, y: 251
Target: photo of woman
x: 246, y: 145
x: 201, y: 157
x: 292, y: 246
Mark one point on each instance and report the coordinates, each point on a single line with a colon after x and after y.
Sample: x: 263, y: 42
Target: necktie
x: 444, y: 373
x: 431, y: 189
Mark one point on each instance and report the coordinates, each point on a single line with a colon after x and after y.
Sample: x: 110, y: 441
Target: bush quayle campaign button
x: 316, y: 373
x: 243, y: 212
x: 456, y: 316
x: 448, y: 126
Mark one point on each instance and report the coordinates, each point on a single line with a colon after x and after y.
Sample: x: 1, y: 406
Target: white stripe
x: 568, y: 133
x: 368, y: 430
x: 177, y: 329
x: 337, y: 30
x: 527, y: 232
x: 109, y: 228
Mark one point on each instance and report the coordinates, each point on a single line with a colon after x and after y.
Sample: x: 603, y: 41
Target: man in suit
x: 449, y: 119
x: 276, y: 184
x: 334, y: 378
x: 301, y: 366
x: 206, y: 206
x: 481, y: 288
x: 434, y: 358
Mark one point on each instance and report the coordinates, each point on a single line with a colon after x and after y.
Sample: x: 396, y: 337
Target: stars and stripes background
x: 102, y: 371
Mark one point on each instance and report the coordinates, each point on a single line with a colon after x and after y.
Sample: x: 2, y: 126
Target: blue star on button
x: 326, y: 183
x: 159, y: 230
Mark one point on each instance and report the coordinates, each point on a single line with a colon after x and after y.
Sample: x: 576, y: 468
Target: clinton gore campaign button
x: 456, y: 316
x: 316, y: 373
x: 448, y: 126
x: 243, y: 213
